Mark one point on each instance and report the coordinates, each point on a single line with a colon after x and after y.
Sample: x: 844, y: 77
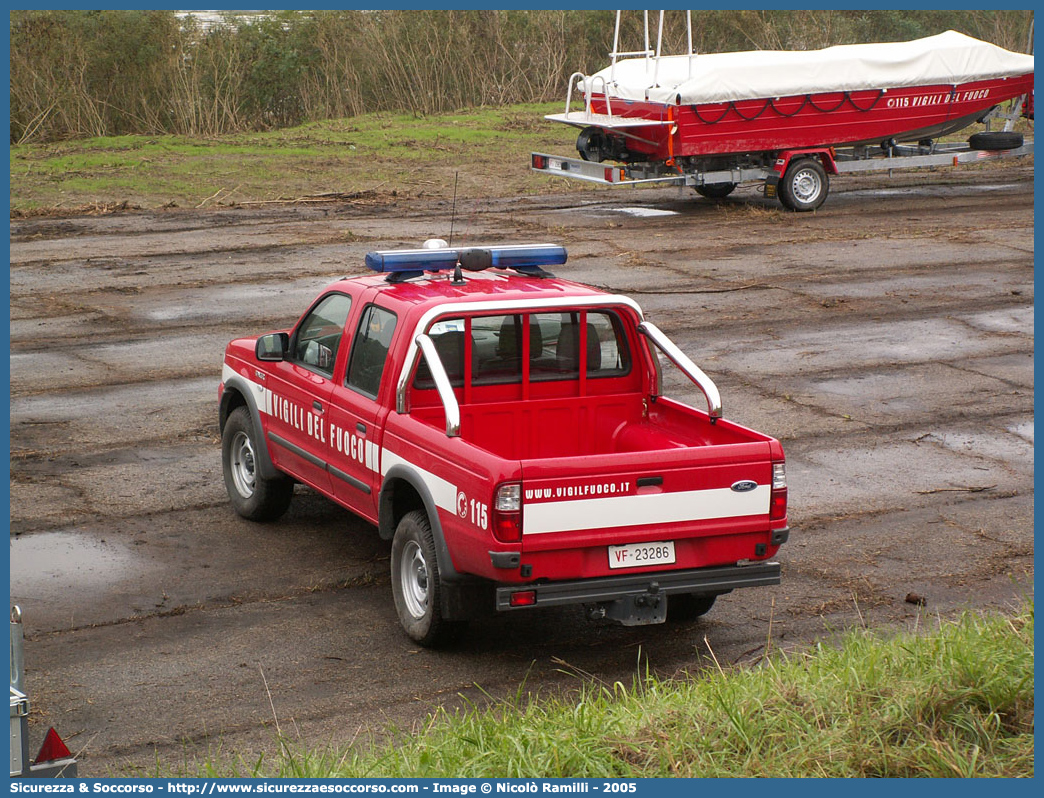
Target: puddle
x: 117, y: 406
x: 206, y: 303
x: 630, y: 211
x: 57, y: 562
x: 911, y: 191
x: 1024, y: 430
x: 642, y: 212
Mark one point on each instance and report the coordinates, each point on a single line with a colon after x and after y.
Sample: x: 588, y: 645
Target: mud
x: 887, y: 340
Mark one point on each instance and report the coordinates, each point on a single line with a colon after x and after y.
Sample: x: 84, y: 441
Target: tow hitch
x: 637, y: 610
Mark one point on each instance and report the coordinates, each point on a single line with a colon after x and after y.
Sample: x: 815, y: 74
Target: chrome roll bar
x: 442, y: 384
x: 690, y: 369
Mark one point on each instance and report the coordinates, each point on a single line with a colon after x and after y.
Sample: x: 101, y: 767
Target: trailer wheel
x: 252, y: 496
x: 805, y: 185
x: 715, y: 190
x: 416, y: 584
x: 689, y: 606
x: 995, y: 140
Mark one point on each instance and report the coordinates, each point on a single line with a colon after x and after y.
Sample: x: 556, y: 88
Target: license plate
x: 636, y: 555
x: 554, y: 164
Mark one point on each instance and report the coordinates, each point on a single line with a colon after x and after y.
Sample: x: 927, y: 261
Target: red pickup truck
x: 508, y: 432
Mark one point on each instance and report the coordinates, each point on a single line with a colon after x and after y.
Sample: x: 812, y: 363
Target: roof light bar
x: 520, y: 257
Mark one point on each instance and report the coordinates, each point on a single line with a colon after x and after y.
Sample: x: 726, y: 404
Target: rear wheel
x: 805, y: 185
x: 252, y: 496
x: 416, y: 584
x: 688, y: 606
x: 715, y: 190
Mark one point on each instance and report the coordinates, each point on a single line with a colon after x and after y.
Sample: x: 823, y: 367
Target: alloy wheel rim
x: 243, y: 465
x: 806, y: 185
x: 413, y: 577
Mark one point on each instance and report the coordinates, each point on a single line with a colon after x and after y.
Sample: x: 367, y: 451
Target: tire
x: 715, y: 190
x: 253, y: 497
x: 689, y: 606
x: 996, y: 140
x: 416, y: 583
x: 591, y: 145
x: 805, y: 185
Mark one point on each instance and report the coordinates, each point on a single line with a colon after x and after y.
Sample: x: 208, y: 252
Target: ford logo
x: 744, y: 485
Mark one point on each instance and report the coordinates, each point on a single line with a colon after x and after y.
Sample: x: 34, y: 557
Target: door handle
x: 360, y: 427
x: 317, y: 406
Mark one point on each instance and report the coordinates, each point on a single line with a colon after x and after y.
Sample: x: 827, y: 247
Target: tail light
x: 507, y: 513
x: 539, y: 161
x: 523, y: 598
x: 778, y: 502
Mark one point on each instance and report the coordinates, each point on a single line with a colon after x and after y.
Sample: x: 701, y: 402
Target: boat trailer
x: 798, y: 178
x: 641, y: 122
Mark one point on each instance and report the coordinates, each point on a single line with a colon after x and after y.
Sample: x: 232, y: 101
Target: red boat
x: 683, y: 110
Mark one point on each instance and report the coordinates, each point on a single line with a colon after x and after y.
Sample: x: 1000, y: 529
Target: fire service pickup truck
x: 507, y: 431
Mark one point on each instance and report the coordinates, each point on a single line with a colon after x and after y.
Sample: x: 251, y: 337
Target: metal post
x: 17, y: 650
x: 616, y: 48
x: 659, y: 51
x: 688, y: 25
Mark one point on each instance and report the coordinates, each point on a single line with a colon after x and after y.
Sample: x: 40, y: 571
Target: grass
x: 482, y: 153
x: 955, y: 702
x: 387, y: 153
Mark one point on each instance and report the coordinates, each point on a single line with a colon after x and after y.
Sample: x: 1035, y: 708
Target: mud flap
x: 771, y: 184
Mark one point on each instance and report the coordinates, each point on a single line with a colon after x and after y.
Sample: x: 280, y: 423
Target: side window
x: 370, y: 351
x: 319, y: 336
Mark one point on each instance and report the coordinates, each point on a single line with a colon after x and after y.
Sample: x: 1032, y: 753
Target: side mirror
x: 273, y: 346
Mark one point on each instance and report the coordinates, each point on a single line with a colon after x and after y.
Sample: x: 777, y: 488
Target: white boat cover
x: 949, y: 58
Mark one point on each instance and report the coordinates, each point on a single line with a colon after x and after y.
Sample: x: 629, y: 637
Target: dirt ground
x: 887, y: 340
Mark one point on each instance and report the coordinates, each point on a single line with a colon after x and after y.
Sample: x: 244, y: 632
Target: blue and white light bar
x: 520, y: 257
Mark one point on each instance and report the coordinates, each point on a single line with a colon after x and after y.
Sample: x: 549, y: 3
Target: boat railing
x: 652, y: 58
x: 590, y: 82
x: 652, y: 55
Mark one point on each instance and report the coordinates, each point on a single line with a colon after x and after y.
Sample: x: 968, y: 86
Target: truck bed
x: 587, y: 426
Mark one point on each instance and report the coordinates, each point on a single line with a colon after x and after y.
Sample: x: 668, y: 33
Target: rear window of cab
x: 558, y: 344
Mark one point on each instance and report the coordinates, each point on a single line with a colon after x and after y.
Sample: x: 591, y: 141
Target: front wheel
x: 416, y: 584
x: 804, y: 186
x: 253, y: 497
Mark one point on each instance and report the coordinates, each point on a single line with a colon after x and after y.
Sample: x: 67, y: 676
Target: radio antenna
x: 453, y: 212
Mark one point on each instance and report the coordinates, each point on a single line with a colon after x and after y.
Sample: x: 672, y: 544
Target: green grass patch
x: 408, y: 155
x: 483, y: 152
x: 953, y: 702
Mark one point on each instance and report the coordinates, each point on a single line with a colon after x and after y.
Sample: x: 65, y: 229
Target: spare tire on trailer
x: 995, y: 140
x: 591, y: 145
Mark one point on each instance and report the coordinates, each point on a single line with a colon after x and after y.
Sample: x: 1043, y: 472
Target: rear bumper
x: 592, y: 591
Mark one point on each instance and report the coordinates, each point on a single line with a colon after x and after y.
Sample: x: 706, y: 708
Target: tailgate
x: 577, y: 508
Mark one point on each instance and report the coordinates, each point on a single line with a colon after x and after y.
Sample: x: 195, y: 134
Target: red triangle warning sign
x: 53, y: 748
